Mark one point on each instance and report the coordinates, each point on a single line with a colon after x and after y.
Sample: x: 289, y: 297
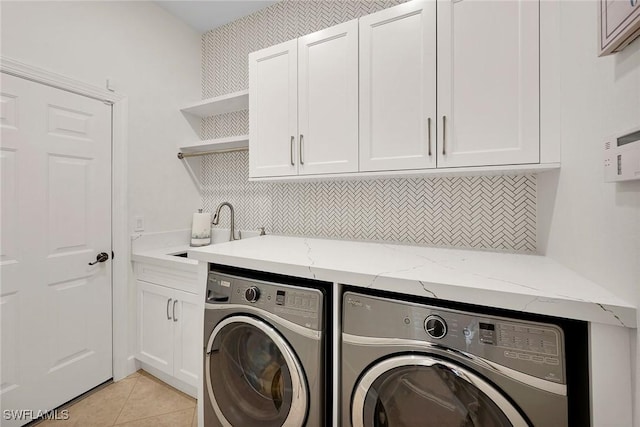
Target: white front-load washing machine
x: 406, y: 364
x: 264, y: 349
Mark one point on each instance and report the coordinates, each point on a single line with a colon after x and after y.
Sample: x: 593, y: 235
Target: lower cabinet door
x: 187, y: 337
x: 155, y: 326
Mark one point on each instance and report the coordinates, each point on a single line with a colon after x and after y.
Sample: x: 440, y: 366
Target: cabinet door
x: 187, y: 337
x: 398, y: 87
x: 273, y: 106
x: 328, y: 100
x: 155, y: 326
x: 488, y: 83
x: 619, y: 24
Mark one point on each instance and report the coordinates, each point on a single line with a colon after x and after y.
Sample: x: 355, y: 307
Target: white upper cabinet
x: 328, y: 100
x: 420, y: 86
x: 619, y: 24
x: 488, y: 83
x: 303, y: 105
x: 273, y: 110
x: 398, y: 88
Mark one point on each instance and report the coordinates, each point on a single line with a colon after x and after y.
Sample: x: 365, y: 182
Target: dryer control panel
x: 536, y: 349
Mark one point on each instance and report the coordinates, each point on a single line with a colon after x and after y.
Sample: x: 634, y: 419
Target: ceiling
x: 203, y: 16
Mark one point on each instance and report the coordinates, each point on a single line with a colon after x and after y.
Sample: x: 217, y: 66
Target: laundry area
x: 320, y: 213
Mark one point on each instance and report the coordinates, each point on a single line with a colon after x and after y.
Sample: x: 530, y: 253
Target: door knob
x: 101, y: 257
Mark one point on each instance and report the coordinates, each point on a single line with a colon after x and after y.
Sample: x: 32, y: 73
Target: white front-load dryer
x: 263, y: 354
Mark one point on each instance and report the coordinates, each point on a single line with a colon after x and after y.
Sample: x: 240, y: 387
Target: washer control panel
x: 534, y: 348
x: 300, y: 305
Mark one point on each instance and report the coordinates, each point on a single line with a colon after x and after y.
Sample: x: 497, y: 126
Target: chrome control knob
x: 435, y: 326
x: 252, y: 294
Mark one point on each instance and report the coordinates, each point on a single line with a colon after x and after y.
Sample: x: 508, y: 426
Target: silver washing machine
x: 407, y: 365
x: 263, y: 362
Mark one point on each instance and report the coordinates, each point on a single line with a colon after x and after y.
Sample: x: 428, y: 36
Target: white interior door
x: 56, y: 216
x: 273, y: 110
x: 398, y: 87
x: 328, y: 100
x: 488, y: 83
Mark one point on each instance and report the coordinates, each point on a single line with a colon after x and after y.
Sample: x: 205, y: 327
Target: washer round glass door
x: 415, y: 390
x: 253, y: 376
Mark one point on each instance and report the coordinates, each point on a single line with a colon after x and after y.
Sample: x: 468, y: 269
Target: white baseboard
x: 173, y: 382
x: 130, y: 366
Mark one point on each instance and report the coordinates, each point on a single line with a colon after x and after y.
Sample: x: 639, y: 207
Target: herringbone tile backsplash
x: 493, y: 212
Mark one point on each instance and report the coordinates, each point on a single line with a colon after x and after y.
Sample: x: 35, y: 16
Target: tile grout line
x: 154, y: 416
x: 159, y: 383
x: 127, y: 399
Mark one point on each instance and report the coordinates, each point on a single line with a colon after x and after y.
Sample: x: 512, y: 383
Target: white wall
x: 154, y: 59
x: 584, y: 223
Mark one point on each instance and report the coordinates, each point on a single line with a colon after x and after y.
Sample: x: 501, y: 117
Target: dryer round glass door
x: 253, y: 376
x: 415, y: 390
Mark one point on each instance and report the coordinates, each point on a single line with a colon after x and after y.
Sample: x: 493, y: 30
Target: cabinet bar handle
x: 175, y: 319
x: 292, y: 142
x: 444, y: 135
x: 301, y: 146
x: 168, y: 302
x: 429, y: 132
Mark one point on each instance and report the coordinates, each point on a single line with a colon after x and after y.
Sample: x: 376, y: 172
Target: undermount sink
x: 181, y: 254
x: 221, y: 235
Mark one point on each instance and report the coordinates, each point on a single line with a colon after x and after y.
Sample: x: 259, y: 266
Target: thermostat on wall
x: 622, y: 157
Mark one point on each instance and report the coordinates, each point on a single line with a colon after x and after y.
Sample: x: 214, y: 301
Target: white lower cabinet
x: 186, y: 337
x: 155, y: 326
x: 168, y: 326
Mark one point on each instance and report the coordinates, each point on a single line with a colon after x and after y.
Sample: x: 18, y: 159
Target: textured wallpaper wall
x: 483, y: 212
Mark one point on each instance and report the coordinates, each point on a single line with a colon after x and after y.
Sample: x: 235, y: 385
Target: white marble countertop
x: 164, y: 255
x: 528, y: 283
x: 159, y: 247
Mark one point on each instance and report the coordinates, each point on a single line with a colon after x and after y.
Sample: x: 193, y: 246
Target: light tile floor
x: 140, y: 400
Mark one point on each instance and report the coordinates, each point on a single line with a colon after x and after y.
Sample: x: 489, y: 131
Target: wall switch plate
x: 111, y: 86
x: 138, y: 224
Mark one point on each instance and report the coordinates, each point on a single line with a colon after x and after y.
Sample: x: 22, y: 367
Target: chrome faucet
x: 216, y: 219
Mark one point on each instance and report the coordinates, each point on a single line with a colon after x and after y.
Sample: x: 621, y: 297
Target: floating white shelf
x: 210, y: 146
x: 235, y: 101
